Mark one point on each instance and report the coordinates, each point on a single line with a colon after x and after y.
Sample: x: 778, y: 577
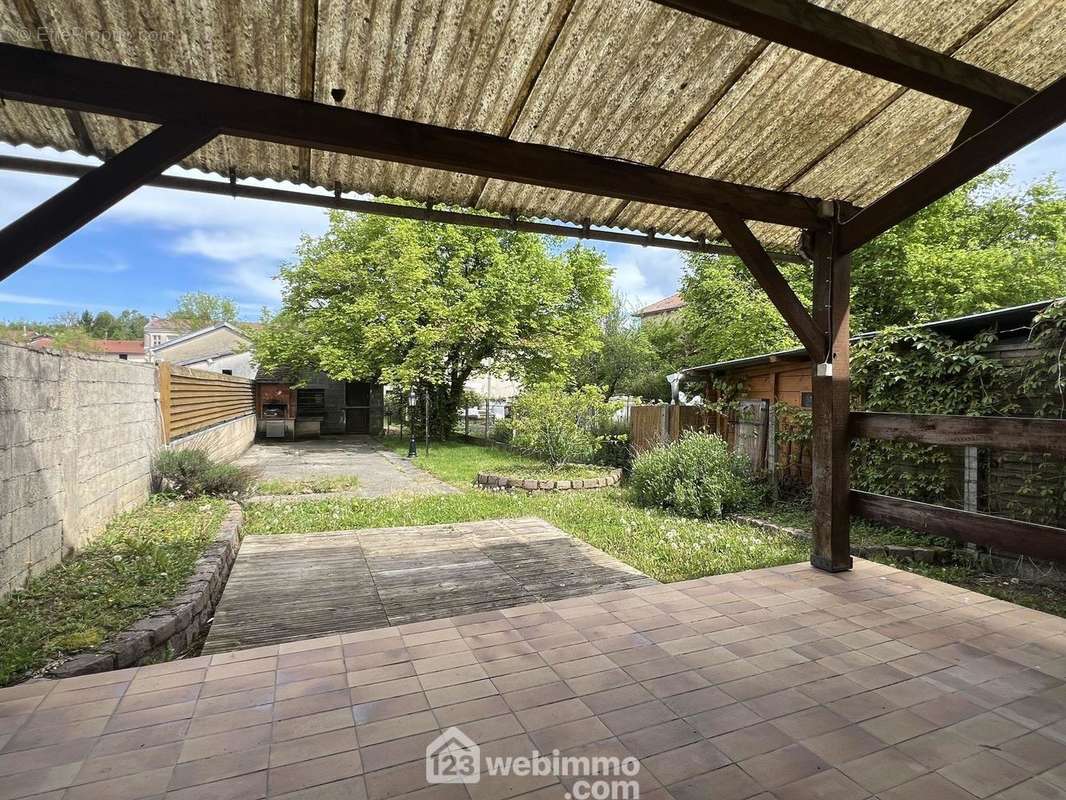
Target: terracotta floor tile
x: 376, y: 710
x: 938, y: 748
x: 828, y: 784
x: 843, y: 744
x: 318, y: 771
x: 128, y: 787
x: 984, y: 774
x: 727, y: 783
x: 781, y: 767
x: 1034, y: 752
x: 314, y: 746
x: 926, y: 787
x: 660, y: 738
x: 752, y: 741
x: 780, y: 703
x: 685, y: 762
x: 539, y: 695
x: 313, y: 723
x: 396, y: 728
x: 723, y: 720
x: 219, y: 767
x: 897, y: 726
x: 810, y: 722
x: 883, y: 769
x: 570, y: 734
x: 632, y: 718
x: 252, y: 786
x: 311, y: 704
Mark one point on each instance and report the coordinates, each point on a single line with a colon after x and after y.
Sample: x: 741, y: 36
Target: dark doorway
x: 357, y: 407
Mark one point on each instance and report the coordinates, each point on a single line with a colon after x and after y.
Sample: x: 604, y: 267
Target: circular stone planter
x: 488, y: 480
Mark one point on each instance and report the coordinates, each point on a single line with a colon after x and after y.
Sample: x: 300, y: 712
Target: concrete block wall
x: 77, y: 436
x: 223, y: 442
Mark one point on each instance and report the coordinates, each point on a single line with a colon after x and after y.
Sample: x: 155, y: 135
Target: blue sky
x: 158, y: 244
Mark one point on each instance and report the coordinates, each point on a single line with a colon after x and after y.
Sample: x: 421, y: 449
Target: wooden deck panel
x: 297, y: 586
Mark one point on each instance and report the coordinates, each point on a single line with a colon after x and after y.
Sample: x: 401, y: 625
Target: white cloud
x: 644, y: 275
x: 35, y: 300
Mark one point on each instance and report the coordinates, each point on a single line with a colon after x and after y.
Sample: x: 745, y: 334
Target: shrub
x: 191, y: 473
x: 561, y: 427
x: 502, y: 431
x: 696, y: 476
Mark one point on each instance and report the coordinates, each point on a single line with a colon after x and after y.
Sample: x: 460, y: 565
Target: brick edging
x: 928, y: 555
x: 490, y: 480
x: 168, y: 631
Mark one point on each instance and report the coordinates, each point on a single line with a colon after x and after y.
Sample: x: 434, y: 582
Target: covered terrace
x: 767, y: 128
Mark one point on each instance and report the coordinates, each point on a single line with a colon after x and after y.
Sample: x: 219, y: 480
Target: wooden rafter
x: 1042, y: 113
x: 756, y: 259
x: 93, y: 86
x: 89, y: 196
x: 66, y: 169
x: 804, y: 26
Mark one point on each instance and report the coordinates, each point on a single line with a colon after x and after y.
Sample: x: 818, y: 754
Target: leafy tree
x: 624, y: 353
x: 728, y: 315
x: 671, y: 349
x: 202, y: 309
x: 979, y: 248
x: 410, y: 302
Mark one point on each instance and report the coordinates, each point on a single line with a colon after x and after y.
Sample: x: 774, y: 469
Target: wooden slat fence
x: 653, y: 425
x: 192, y: 399
x: 1046, y: 436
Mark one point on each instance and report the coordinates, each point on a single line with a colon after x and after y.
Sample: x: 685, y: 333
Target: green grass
x: 863, y: 532
x: 663, y: 545
x: 138, y: 563
x: 322, y: 485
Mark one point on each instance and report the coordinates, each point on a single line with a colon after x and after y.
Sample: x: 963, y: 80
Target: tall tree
x: 411, y: 302
x: 979, y: 248
x: 202, y: 309
x: 624, y: 352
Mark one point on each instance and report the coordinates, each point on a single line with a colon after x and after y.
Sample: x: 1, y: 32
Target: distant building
x: 223, y: 347
x: 159, y: 330
x: 661, y: 309
x: 124, y: 349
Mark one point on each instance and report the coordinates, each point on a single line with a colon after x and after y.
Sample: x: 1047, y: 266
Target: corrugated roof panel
x: 887, y: 152
x: 625, y: 79
x: 462, y: 65
x: 790, y: 108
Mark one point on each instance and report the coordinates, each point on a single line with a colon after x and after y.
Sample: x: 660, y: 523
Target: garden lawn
x: 322, y: 485
x: 664, y: 546
x: 138, y: 563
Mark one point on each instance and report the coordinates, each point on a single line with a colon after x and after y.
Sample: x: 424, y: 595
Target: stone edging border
x: 489, y: 480
x: 172, y: 628
x: 927, y: 555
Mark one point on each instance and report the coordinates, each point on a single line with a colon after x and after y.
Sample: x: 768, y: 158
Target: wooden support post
x: 832, y: 287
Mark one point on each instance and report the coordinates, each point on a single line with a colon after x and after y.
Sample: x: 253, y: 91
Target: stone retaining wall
x: 77, y: 437
x: 169, y: 631
x: 225, y: 441
x: 488, y: 480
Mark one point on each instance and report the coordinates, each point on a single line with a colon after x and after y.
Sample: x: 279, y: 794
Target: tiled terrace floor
x: 786, y: 683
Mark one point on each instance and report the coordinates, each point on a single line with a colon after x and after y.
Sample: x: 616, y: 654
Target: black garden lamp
x: 412, y: 404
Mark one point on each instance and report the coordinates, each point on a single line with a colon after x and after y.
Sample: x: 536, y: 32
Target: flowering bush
x: 696, y: 476
x: 561, y: 427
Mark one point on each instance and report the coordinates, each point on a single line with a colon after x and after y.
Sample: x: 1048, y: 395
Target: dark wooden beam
x: 756, y: 259
x: 63, y: 81
x: 66, y: 169
x: 831, y: 545
x: 59, y: 216
x: 1025, y: 434
x: 998, y: 533
x: 804, y: 26
x: 1042, y: 113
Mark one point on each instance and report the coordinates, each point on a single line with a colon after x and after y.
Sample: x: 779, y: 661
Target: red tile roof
x: 670, y: 303
x: 128, y: 346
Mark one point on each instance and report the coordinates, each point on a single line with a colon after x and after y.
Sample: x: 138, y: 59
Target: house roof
x: 958, y: 327
x: 128, y: 346
x: 202, y: 332
x: 670, y: 303
x: 631, y: 80
x: 168, y: 324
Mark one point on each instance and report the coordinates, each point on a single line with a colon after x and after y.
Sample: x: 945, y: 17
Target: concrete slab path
x: 380, y: 471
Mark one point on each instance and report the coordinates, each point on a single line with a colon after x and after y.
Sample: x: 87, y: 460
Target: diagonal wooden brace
x: 56, y: 218
x: 755, y: 258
